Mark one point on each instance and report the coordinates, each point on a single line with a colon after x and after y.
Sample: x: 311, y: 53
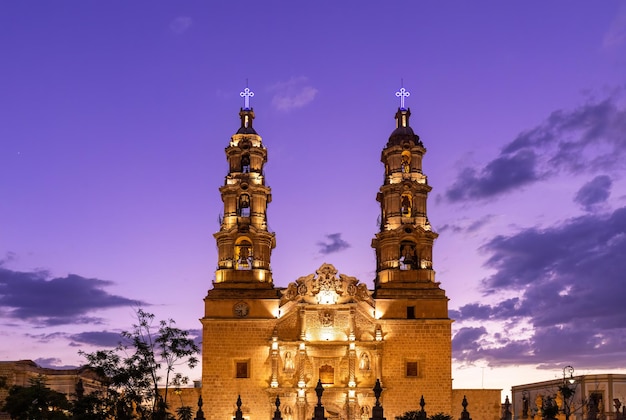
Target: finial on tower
x: 402, y: 93
x: 246, y: 95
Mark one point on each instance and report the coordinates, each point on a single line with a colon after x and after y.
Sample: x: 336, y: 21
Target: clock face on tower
x: 241, y: 309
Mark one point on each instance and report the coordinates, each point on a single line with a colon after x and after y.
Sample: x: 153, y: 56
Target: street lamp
x: 566, y: 391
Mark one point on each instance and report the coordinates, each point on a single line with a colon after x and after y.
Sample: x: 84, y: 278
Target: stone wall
x: 483, y: 404
x: 428, y: 342
x: 21, y: 373
x: 226, y: 342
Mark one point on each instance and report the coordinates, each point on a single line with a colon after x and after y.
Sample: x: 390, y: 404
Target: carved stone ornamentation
x: 326, y: 286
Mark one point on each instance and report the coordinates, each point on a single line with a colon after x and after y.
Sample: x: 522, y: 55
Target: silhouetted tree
x: 36, y: 402
x: 440, y: 416
x: 415, y: 415
x: 146, y: 360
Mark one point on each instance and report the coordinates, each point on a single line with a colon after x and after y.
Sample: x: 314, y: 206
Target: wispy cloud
x: 292, y: 94
x: 594, y: 193
x: 466, y: 225
x: 97, y: 338
x: 334, y: 243
x: 38, y: 298
x: 181, y: 24
x: 53, y: 363
x: 615, y: 36
x: 586, y: 139
x: 563, y: 278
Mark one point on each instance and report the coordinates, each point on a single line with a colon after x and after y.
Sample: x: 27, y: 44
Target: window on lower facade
x: 410, y: 312
x: 242, y: 369
x: 411, y: 369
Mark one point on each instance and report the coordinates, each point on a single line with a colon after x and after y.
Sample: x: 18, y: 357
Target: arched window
x: 243, y: 254
x: 245, y: 163
x: 243, y: 207
x: 408, y: 256
x: 406, y: 205
x: 406, y: 162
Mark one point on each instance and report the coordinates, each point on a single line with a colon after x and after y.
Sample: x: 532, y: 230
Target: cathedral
x: 261, y: 341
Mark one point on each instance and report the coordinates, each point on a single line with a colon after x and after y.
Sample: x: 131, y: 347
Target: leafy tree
x: 416, y: 415
x: 410, y: 415
x: 94, y: 406
x: 440, y: 416
x: 36, y: 402
x: 146, y: 360
x: 184, y: 413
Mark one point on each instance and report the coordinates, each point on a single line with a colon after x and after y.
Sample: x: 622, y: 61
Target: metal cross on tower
x: 402, y: 93
x: 246, y: 95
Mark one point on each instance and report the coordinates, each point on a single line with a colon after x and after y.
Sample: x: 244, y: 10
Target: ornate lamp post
x: 566, y: 391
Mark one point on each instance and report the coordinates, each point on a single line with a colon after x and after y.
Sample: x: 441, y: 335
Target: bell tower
x: 405, y: 284
x: 244, y: 244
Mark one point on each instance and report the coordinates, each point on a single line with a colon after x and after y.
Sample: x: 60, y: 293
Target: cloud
x: 466, y: 225
x: 196, y: 335
x: 112, y: 339
x: 53, y: 363
x: 594, y: 193
x: 8, y: 258
x: 586, y: 139
x: 97, y: 338
x: 615, y: 36
x: 292, y: 94
x: 467, y: 338
x: 35, y: 297
x: 502, y: 174
x: 567, y: 283
x: 180, y: 24
x: 333, y: 244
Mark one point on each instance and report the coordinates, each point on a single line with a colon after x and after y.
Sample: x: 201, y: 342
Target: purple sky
x: 115, y: 116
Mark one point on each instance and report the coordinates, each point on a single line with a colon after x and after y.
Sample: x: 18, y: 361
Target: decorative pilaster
x: 302, y: 315
x: 274, y: 355
x: 301, y: 363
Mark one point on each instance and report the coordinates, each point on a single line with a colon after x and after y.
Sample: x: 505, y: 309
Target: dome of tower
x: 403, y: 131
x: 246, y: 130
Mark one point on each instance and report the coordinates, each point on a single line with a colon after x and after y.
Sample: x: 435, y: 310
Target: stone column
x: 302, y: 324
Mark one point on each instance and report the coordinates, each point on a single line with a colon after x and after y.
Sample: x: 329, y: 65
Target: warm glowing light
x: 274, y: 384
x: 327, y: 335
x: 379, y: 334
x: 352, y: 346
x: 352, y: 392
x: 327, y: 297
x: 302, y: 346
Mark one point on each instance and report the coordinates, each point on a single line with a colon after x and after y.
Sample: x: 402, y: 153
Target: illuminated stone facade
x: 22, y: 372
x: 261, y: 341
